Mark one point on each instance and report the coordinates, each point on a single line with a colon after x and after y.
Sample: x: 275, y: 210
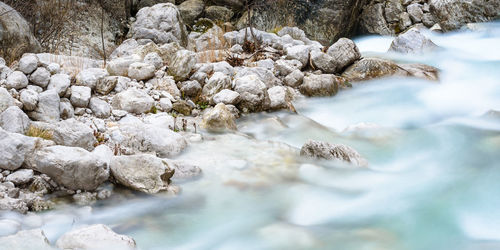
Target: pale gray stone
x: 80, y: 96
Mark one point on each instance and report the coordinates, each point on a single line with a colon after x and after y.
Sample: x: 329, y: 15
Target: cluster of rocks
x: 96, y: 236
x: 390, y: 17
x: 72, y: 133
x: 393, y: 16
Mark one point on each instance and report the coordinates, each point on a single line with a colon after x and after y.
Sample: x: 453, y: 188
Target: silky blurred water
x: 432, y: 183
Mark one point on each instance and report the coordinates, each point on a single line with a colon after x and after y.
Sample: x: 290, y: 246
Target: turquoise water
x: 432, y: 183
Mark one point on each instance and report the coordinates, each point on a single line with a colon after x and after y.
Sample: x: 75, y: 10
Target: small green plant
x: 203, y: 25
x: 203, y: 105
x: 275, y: 30
x: 39, y: 132
x: 100, y: 138
x: 153, y: 110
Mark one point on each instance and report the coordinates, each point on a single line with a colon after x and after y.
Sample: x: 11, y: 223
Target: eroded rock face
x: 161, y: 23
x: 16, y: 33
x: 74, y: 168
x: 323, y: 21
x: 325, y: 150
x: 95, y: 237
x: 144, y: 172
x: 453, y: 14
x: 219, y: 119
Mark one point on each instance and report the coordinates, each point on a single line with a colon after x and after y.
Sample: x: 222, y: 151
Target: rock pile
x: 70, y: 131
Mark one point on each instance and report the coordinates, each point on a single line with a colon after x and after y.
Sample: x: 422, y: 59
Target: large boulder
x: 14, y: 120
x: 280, y: 97
x: 6, y: 100
x: 323, y: 62
x: 161, y: 23
x: 28, y: 64
x: 70, y: 133
x: 182, y: 64
x: 215, y: 84
x: 323, y: 21
x: 141, y: 71
x: 80, y: 96
x: 319, y: 85
x: 48, y: 107
x: 325, y: 150
x: 15, y: 33
x: 90, y: 77
x: 74, y: 168
x: 226, y: 96
x: 149, y: 138
x: 26, y: 239
x: 100, y: 108
x: 95, y: 237
x: 40, y: 77
x: 453, y: 14
x: 59, y: 82
x: 219, y: 13
x: 344, y: 53
x: 219, y: 118
x: 190, y: 10
x: 14, y: 148
x: 144, y: 172
x: 17, y: 80
x: 253, y: 93
x: 372, y: 20
x: 412, y: 42
x: 29, y: 99
x: 133, y: 101
x: 370, y: 68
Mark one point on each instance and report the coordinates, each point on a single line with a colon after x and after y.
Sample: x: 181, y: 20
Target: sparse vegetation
x: 34, y: 131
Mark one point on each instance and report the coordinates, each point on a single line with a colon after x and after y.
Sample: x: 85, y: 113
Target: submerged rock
x: 325, y: 150
x: 219, y: 118
x: 27, y: 239
x: 412, y: 42
x: 144, y: 172
x: 370, y: 68
x: 95, y: 237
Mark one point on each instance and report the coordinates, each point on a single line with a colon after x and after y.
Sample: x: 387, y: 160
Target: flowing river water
x: 432, y: 180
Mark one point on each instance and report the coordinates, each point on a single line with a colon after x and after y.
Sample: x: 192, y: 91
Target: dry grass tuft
x: 39, y: 132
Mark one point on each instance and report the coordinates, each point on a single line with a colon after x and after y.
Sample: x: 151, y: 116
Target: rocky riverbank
x: 73, y: 128
x: 67, y: 130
